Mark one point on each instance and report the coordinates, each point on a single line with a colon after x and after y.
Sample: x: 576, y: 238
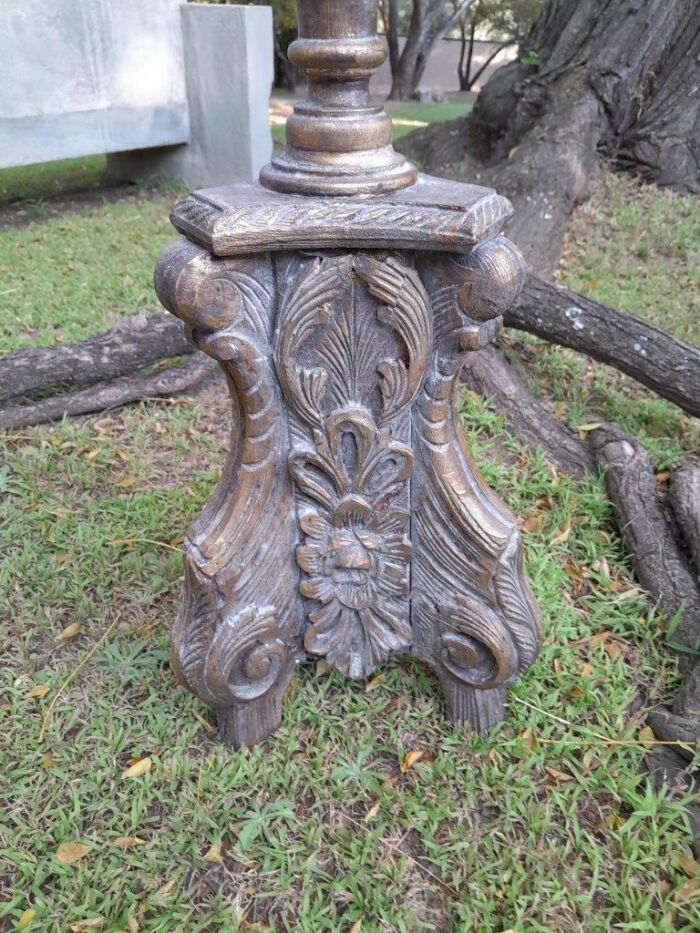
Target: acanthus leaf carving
x: 352, y: 468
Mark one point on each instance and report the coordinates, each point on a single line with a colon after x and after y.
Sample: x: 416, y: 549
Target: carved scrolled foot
x: 481, y: 710
x: 246, y: 724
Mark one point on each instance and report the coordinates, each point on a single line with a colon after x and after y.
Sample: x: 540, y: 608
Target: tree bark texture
x: 612, y: 76
x: 488, y: 374
x: 684, y: 496
x: 133, y: 343
x: 658, y: 559
x: 108, y: 395
x: 663, y: 363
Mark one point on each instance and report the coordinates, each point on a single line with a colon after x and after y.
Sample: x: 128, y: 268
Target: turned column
x: 340, y: 295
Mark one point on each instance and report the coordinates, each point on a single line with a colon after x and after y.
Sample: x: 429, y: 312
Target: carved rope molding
x: 235, y: 639
x: 306, y: 222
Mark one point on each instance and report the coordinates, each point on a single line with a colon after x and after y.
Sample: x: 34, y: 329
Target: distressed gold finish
x: 350, y: 522
x: 338, y: 141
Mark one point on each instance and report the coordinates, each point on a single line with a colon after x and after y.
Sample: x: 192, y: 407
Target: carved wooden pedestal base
x: 350, y: 522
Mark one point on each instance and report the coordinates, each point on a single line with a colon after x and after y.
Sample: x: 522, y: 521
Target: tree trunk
x: 615, y: 76
x: 133, y: 343
x: 650, y: 355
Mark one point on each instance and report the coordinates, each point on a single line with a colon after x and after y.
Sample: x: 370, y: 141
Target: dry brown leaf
x: 48, y: 761
x: 123, y: 455
x: 132, y: 924
x: 69, y: 852
x: 528, y: 738
x: 372, y: 812
x: 613, y: 650
x: 38, y: 690
x: 591, y: 426
x: 533, y: 522
x: 647, y: 737
x: 213, y: 853
x: 139, y: 768
x: 687, y: 891
x: 82, y: 926
x: 125, y: 482
x: 356, y: 927
x: 25, y: 918
x: 323, y: 668
x: 207, y: 726
x: 563, y: 534
x: 129, y: 842
x: 586, y: 669
x: 374, y: 683
x: 411, y: 758
x: 556, y: 665
x: 559, y: 776
x: 93, y: 454
x: 686, y: 863
x: 62, y: 558
x: 70, y: 631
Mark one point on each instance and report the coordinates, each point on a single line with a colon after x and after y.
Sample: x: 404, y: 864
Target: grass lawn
x: 545, y: 825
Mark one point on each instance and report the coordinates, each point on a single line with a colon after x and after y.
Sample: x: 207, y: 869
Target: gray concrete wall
x: 86, y: 76
x: 229, y: 68
x: 441, y: 70
x: 163, y: 87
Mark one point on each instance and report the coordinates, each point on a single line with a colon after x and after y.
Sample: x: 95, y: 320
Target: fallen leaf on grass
x: 143, y: 766
x: 25, y: 918
x: 94, y: 923
x: 125, y: 482
x: 356, y: 927
x: 687, y: 890
x: 563, y: 534
x: 323, y: 668
x: 70, y: 631
x: 207, y: 726
x: 48, y: 761
x: 533, y: 522
x: 559, y: 776
x: 528, y: 739
x: 213, y: 853
x: 129, y: 842
x: 411, y: 758
x: 686, y: 863
x: 586, y: 669
x: 69, y: 852
x: 372, y: 812
x: 93, y: 454
x: 132, y: 924
x: 38, y: 690
x: 374, y: 683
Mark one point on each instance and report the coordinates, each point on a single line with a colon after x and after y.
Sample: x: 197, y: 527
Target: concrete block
x: 228, y: 52
x: 79, y: 77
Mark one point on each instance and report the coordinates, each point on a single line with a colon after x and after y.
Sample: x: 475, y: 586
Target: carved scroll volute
x: 236, y: 636
x: 351, y: 353
x: 472, y: 611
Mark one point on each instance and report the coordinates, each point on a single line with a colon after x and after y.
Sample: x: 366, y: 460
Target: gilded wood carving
x: 350, y: 522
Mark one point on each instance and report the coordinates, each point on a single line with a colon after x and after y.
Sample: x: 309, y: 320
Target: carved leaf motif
x: 356, y: 333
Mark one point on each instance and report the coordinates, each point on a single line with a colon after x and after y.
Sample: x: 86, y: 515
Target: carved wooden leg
x: 237, y: 635
x: 473, y: 615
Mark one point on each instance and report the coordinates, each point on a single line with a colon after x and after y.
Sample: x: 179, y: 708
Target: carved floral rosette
x: 351, y: 351
x: 350, y: 522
